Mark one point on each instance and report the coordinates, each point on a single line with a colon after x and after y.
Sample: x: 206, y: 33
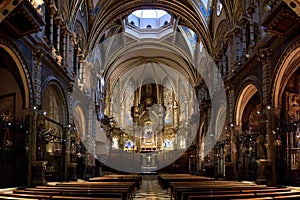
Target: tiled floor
x: 151, y: 190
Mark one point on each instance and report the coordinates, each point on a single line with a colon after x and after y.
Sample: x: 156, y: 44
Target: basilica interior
x: 155, y: 92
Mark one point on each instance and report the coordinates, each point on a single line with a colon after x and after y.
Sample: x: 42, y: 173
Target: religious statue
x: 261, y: 149
x: 294, y: 108
x: 5, y: 122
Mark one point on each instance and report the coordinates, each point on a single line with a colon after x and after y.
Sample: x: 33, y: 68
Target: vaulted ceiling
x: 106, y: 18
x: 108, y: 13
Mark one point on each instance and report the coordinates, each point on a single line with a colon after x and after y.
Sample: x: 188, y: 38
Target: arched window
x: 219, y: 7
x: 50, y: 137
x: 152, y: 18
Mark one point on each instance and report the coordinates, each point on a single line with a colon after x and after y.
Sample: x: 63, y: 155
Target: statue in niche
x: 6, y: 129
x: 148, y: 134
x: 115, y: 143
x: 261, y: 148
x: 294, y: 107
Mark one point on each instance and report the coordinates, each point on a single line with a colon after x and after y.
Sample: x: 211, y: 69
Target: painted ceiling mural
x: 205, y: 7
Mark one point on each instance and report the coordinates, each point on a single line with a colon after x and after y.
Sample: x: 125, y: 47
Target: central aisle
x: 151, y: 190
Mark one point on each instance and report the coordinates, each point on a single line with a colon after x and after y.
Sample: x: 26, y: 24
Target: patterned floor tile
x: 151, y: 190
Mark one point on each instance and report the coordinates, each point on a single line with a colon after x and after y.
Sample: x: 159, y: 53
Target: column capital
x: 58, y: 20
x: 263, y: 53
x: 244, y: 19
x: 251, y: 8
x: 38, y: 56
x: 52, y: 9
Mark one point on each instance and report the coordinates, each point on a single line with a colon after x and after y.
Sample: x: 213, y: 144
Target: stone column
x: 58, y: 23
x: 237, y: 46
x: 233, y: 149
x: 231, y: 59
x: 64, y: 33
x: 224, y: 64
x: 36, y: 76
x: 244, y: 21
x: 80, y: 68
x: 52, y: 11
x: 264, y: 57
x: 70, y: 168
x: 71, y: 54
x: 251, y: 10
x: 36, y: 169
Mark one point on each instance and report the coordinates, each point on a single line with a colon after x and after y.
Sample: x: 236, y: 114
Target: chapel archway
x: 51, y: 137
x: 250, y: 121
x: 14, y: 140
x: 287, y: 111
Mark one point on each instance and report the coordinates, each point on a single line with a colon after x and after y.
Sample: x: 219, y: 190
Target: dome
x: 149, y: 18
x: 149, y: 14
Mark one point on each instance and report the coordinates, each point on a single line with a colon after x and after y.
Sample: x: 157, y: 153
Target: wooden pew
x: 233, y: 194
x: 214, y: 187
x: 283, y: 189
x: 31, y: 196
x: 88, y: 192
x: 189, y: 187
x: 16, y: 198
x: 197, y: 187
x: 258, y: 193
x: 185, y: 195
x: 130, y: 185
x: 258, y: 198
x: 111, y: 178
x: 166, y: 179
x: 273, y: 194
x: 223, y: 196
x: 87, y: 198
x: 288, y: 197
x: 36, y: 192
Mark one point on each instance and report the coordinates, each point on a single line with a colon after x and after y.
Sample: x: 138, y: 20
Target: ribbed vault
x: 114, y: 12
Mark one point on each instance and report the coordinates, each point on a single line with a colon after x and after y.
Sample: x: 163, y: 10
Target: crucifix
x: 149, y: 157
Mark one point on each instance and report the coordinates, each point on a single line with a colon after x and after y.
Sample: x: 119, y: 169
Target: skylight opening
x: 149, y: 14
x: 149, y: 18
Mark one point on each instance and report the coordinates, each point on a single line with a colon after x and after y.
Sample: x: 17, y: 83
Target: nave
x: 152, y: 187
x: 151, y: 190
x: 204, y: 87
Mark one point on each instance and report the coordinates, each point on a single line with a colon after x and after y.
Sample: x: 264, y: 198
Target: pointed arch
x: 80, y: 120
x: 23, y: 72
x: 245, y: 95
x: 286, y: 67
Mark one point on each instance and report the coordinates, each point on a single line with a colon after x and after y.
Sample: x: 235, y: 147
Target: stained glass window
x: 219, y: 7
x: 204, y: 7
x: 192, y: 37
